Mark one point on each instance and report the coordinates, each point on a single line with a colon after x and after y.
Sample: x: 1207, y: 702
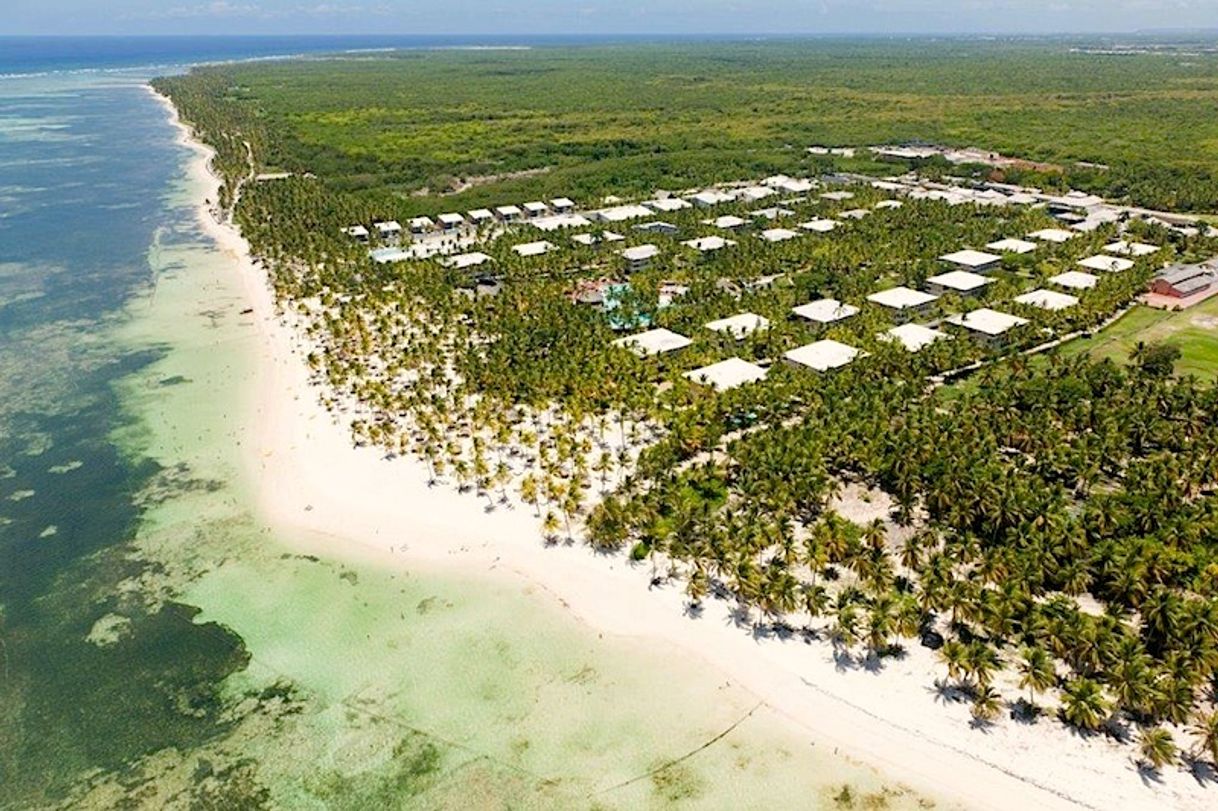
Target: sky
x: 600, y: 16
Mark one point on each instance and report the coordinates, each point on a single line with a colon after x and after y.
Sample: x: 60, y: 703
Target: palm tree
x: 1156, y: 747
x: 1036, y: 672
x: 1205, y: 729
x: 1084, y: 705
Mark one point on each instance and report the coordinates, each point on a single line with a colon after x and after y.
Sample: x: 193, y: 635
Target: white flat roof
x: 823, y: 355
x: 825, y: 311
x: 480, y: 214
x: 562, y: 202
x: 667, y: 204
x: 889, y: 204
x: 711, y: 243
x: 1046, y: 299
x: 533, y: 248
x: 987, y: 321
x: 961, y: 280
x: 653, y: 342
x: 739, y: 325
x: 556, y: 221
x: 838, y: 195
x: 467, y: 260
x: 356, y: 231
x: 1075, y: 280
x: 1053, y: 235
x: 796, y: 185
x: 622, y: 213
x: 536, y: 206
x: 1020, y: 246
x: 971, y: 258
x: 640, y: 252
x: 727, y: 374
x: 712, y: 197
x: 507, y: 210
x: 913, y: 336
x: 757, y: 192
x: 778, y: 234
x: 585, y: 239
x: 388, y: 227
x: 726, y: 221
x: 818, y: 225
x: 901, y: 298
x: 1131, y: 248
x: 1110, y: 264
x: 451, y: 218
x: 421, y: 222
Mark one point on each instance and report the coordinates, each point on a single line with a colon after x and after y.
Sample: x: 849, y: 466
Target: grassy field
x: 1194, y: 330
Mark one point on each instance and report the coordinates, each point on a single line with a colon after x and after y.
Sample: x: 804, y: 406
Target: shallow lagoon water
x: 164, y: 649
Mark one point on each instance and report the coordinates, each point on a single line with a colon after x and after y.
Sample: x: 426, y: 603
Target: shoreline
x: 350, y: 502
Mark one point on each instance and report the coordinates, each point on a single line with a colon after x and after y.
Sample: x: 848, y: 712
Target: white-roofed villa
x: 1010, y: 245
x: 822, y: 356
x: 903, y: 303
x: 739, y: 326
x: 727, y: 374
x: 990, y: 327
x: 1047, y: 299
x: 825, y: 311
x: 653, y: 342
x: 976, y: 261
x: 1075, y: 280
x: 1108, y: 264
x: 914, y: 337
x: 960, y: 282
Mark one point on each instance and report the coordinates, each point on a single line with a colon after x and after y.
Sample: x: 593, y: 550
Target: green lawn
x: 1194, y: 330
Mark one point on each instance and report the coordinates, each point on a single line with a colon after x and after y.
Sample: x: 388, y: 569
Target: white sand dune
x: 352, y: 502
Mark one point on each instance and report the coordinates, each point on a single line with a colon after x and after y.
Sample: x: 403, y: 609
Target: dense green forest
x: 1053, y: 521
x: 628, y: 119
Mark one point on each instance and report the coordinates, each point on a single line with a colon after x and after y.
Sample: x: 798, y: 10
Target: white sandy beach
x: 354, y: 503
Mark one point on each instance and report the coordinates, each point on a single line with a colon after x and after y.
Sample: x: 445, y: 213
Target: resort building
x: 976, y: 261
x: 819, y: 226
x: 960, y: 282
x: 822, y: 356
x: 640, y: 256
x: 728, y: 222
x: 1110, y: 264
x: 825, y: 311
x: 709, y: 244
x: 727, y: 374
x: 357, y: 232
x: 711, y: 197
x: 1182, y: 281
x: 508, y: 213
x: 778, y: 234
x: 903, y: 303
x: 421, y: 225
x: 792, y: 185
x: 556, y: 221
x: 1123, y: 248
x: 667, y: 205
x: 752, y: 194
x: 914, y: 337
x: 740, y: 326
x: 389, y: 231
x: 621, y: 213
x: 1054, y: 235
x: 533, y: 248
x: 884, y: 204
x: 480, y: 216
x: 562, y: 205
x: 772, y: 213
x: 536, y: 209
x: 467, y: 260
x: 838, y: 196
x: 1075, y: 280
x: 1016, y: 246
x: 451, y: 221
x: 653, y: 342
x: 1047, y: 300
x: 990, y: 327
x: 854, y: 214
x: 657, y: 227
